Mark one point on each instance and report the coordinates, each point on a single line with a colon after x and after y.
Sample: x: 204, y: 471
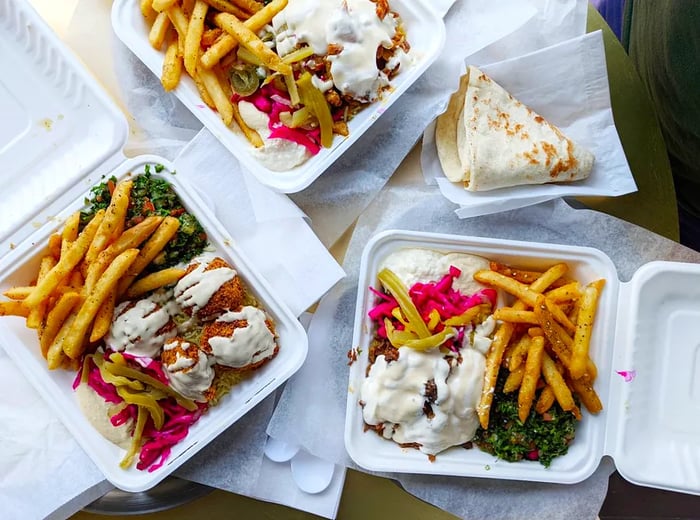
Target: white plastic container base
x: 20, y: 266
x: 644, y: 330
x: 426, y: 34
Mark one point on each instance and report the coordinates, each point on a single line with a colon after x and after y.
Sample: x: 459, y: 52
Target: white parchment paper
x: 568, y: 85
x: 311, y: 411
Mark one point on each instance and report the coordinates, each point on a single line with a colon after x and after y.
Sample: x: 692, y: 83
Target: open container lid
x: 58, y: 125
x: 653, y: 432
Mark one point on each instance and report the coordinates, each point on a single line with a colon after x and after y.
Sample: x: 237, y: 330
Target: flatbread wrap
x: 487, y: 139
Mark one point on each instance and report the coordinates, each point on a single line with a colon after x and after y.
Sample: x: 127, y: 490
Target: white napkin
x: 568, y: 85
x: 274, y: 235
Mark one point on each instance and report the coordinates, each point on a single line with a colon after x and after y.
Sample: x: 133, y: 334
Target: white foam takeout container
x: 21, y: 253
x: 649, y: 424
x: 426, y: 35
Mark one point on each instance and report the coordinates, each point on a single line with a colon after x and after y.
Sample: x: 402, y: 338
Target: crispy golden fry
x: 587, y: 395
x: 19, y: 292
x: 514, y: 315
x: 227, y: 7
x: 528, y: 277
x: 250, y: 41
x: 493, y: 362
x: 159, y: 29
x: 545, y: 400
x: 55, y: 245
x: 103, y: 318
x: 37, y: 313
x: 131, y: 238
x: 70, y: 231
x: 249, y: 5
x: 65, y: 265
x: 187, y: 7
x: 519, y: 353
x: 55, y: 319
x: 221, y: 101
x: 154, y: 281
x: 519, y: 290
x: 172, y: 67
x: 155, y: 244
x: 558, y: 314
x: 162, y: 5
x: 228, y: 43
x: 533, y: 368
x: 535, y: 331
x: 13, y: 308
x: 112, y: 221
x: 75, y: 339
x: 556, y: 381
x: 514, y: 380
x: 195, y: 29
x: 146, y: 7
x: 203, y: 91
x: 55, y: 357
x: 584, y: 325
x: 569, y: 292
x: 179, y: 21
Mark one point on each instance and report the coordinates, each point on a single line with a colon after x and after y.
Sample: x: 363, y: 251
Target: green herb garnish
x: 541, y: 437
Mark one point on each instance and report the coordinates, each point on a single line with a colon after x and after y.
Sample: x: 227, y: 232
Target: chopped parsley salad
x: 153, y: 196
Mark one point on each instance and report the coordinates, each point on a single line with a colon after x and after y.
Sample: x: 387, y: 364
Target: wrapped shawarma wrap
x: 487, y: 139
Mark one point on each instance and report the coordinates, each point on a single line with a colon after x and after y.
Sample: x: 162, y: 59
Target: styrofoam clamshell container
x: 66, y: 163
x: 20, y: 267
x: 425, y: 32
x: 645, y: 343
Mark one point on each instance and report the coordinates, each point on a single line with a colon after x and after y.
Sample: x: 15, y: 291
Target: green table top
x: 652, y: 207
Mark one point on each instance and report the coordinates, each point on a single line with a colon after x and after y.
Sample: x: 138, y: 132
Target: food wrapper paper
x: 317, y: 394
x: 568, y: 85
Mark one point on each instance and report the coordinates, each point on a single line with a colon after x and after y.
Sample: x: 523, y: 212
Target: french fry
x: 535, y: 331
x: 113, y: 219
x: 55, y: 319
x: 131, y: 238
x: 515, y: 315
x: 159, y: 29
x: 203, y: 91
x: 195, y: 29
x: 582, y: 337
x: 252, y: 6
x: 36, y: 314
x: 531, y: 375
x: 162, y: 5
x: 19, y: 292
x: 154, y: 281
x: 227, y: 7
x: 70, y: 231
x: 514, y: 380
x: 179, y: 21
x: 493, y: 362
x: 146, y: 7
x: 558, y: 314
x: 55, y: 357
x: 218, y: 96
x: 65, y: 265
x: 519, y: 290
x: 587, y: 395
x: 569, y: 292
x: 155, y: 244
x: 519, y: 353
x: 528, y: 277
x: 556, y: 381
x: 75, y: 339
x: 187, y: 7
x: 250, y: 41
x: 55, y: 245
x: 545, y: 400
x: 13, y: 308
x: 103, y: 318
x: 172, y: 67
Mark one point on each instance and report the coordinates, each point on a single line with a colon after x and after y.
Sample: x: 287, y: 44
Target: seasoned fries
x: 71, y: 302
x: 549, y: 328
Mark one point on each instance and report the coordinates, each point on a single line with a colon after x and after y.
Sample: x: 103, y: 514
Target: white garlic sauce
x: 351, y: 24
x: 196, y: 288
x: 136, y: 330
x: 190, y: 377
x: 247, y: 345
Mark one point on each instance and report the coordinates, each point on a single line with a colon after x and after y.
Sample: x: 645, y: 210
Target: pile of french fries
x: 201, y: 37
x: 85, y: 273
x: 543, y: 340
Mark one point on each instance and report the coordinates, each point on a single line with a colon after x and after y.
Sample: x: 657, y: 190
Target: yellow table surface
x: 84, y: 25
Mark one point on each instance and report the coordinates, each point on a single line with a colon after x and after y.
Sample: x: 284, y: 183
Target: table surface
x: 84, y: 25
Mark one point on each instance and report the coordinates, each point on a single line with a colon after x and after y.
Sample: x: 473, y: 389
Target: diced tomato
x: 110, y: 186
x: 148, y: 206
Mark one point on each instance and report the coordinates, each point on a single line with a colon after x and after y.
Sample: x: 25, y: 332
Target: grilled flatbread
x: 487, y: 139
